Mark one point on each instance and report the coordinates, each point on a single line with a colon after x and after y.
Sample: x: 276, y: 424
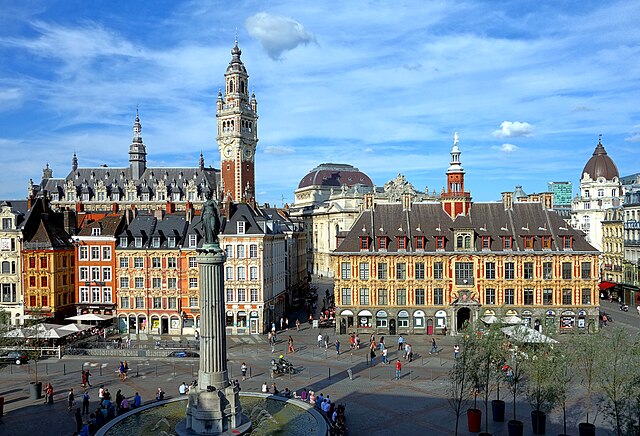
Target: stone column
x: 213, y: 343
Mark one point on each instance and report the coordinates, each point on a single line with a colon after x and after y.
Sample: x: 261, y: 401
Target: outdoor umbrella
x: 74, y: 328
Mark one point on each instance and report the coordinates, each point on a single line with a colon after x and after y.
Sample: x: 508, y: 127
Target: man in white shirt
x: 182, y: 390
x: 320, y: 340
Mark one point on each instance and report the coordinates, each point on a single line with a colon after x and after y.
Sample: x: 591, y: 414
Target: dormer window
x: 439, y: 242
x: 193, y: 241
x: 138, y: 242
x: 528, y: 242
x: 567, y: 242
x: 507, y: 242
x: 419, y: 242
x: 96, y: 231
x: 240, y: 226
x: 463, y: 241
x: 171, y: 241
x: 486, y: 242
x: 402, y: 242
x: 546, y: 242
x: 156, y: 242
x: 364, y: 242
x: 124, y: 241
x: 382, y: 242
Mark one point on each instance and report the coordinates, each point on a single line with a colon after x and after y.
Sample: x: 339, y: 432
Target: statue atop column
x: 211, y: 223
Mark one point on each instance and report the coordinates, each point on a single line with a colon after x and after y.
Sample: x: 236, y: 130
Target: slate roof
x: 19, y: 207
x: 147, y: 226
x: 44, y: 229
x: 485, y: 219
x: 110, y: 225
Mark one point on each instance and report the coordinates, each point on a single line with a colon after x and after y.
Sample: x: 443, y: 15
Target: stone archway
x: 463, y: 314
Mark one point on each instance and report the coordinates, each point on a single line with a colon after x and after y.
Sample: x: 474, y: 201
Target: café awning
x: 606, y: 285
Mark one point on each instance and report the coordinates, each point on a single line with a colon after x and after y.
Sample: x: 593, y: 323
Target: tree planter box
x: 539, y: 422
x: 35, y: 390
x: 586, y: 429
x: 497, y: 407
x: 474, y: 416
x: 516, y: 428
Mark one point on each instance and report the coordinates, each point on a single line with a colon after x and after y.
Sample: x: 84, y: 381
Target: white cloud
x: 635, y: 137
x: 508, y: 148
x: 277, y: 33
x: 511, y: 129
x: 278, y: 150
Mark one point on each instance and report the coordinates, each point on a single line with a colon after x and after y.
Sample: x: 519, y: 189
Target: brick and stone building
x: 12, y: 216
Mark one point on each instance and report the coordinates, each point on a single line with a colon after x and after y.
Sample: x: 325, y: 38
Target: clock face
x: 248, y: 153
x: 228, y: 151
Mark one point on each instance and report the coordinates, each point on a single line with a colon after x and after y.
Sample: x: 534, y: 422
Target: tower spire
x: 137, y: 150
x: 454, y: 199
x: 74, y: 162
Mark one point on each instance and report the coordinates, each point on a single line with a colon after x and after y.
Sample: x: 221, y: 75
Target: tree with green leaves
x: 587, y: 361
x: 490, y: 353
x: 563, y: 377
x: 540, y: 388
x: 515, y: 373
x: 458, y: 388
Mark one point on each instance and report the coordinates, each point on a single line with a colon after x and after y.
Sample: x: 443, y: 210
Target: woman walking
x: 291, y: 349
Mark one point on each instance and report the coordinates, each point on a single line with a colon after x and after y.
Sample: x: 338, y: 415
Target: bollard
x: 156, y: 370
x: 137, y: 370
x: 64, y: 369
x: 369, y: 373
x: 174, y: 370
x: 329, y: 373
x: 100, y: 370
x: 410, y: 374
x: 249, y: 372
x: 431, y: 374
x: 325, y: 353
x: 191, y: 370
x: 350, y: 372
x: 46, y: 367
x: 352, y: 357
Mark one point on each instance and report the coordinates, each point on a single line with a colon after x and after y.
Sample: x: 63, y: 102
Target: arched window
x: 459, y: 241
x: 230, y: 85
x: 242, y: 86
x: 6, y: 268
x: 467, y: 242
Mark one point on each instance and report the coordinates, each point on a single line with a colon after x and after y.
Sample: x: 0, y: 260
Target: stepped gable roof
x: 600, y: 165
x: 109, y: 225
x: 335, y: 175
x: 485, y: 219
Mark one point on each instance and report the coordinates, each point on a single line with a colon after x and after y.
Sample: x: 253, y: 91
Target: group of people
x: 334, y: 413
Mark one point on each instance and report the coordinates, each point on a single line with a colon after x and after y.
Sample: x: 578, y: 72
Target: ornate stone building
x: 12, y: 215
x: 611, y: 271
x: 631, y: 266
x: 600, y: 189
x: 421, y: 267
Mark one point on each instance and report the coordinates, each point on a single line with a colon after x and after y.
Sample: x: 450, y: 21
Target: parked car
x: 17, y: 357
x: 183, y: 353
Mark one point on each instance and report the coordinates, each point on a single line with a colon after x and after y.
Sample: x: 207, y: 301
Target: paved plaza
x: 376, y: 404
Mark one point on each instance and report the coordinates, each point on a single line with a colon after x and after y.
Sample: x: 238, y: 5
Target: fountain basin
x: 269, y: 414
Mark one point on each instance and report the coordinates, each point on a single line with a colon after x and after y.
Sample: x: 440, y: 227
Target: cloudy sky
x: 380, y: 85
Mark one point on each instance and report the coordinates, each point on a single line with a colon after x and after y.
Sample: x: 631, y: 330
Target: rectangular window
x: 438, y: 271
x: 157, y: 302
x: 439, y: 242
x: 490, y: 270
x: 172, y: 262
x: 155, y: 262
x: 382, y: 297
x: 419, y: 241
x: 419, y: 270
x: 83, y: 275
x: 382, y: 242
x: 84, y: 294
x: 547, y: 297
x: 229, y: 273
x: 240, y: 227
x: 107, y: 295
x: 438, y: 296
x: 95, y: 253
x: 83, y: 253
x: 32, y: 281
x: 6, y: 223
x: 364, y: 296
x: 364, y: 242
x: 193, y: 241
x: 528, y: 242
x: 193, y: 301
x: 586, y: 296
x: 253, y: 273
x: 253, y: 251
x: 124, y: 302
x: 139, y: 282
x: 547, y: 270
x: 32, y: 301
x: 43, y: 262
x: 193, y: 263
x: 585, y: 270
x: 402, y: 242
x: 193, y: 282
x: 567, y: 242
x: 156, y: 282
x: 44, y: 281
x: 242, y: 273
x: 230, y: 294
x: 364, y: 271
x: 509, y: 271
x: 546, y: 242
x: 509, y: 296
x: 172, y: 283
x: 95, y: 295
x: 229, y: 250
x: 124, y: 262
x: 528, y: 297
x: 420, y: 297
x: 346, y: 296
x: 242, y: 295
x: 106, y: 253
x: 567, y: 297
x: 528, y: 270
x: 401, y: 271
x: 138, y: 241
x: 240, y: 251
x: 124, y: 241
x: 253, y: 294
x: 138, y: 262
x: 124, y: 282
x: 106, y: 274
x: 566, y: 270
x: 401, y: 297
x: 95, y: 273
x: 382, y: 271
x: 139, y: 302
x: 464, y: 273
x: 345, y: 270
x: 172, y: 303
x: 490, y: 296
x: 171, y: 242
x: 486, y: 242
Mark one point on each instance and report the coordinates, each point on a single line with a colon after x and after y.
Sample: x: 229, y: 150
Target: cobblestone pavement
x: 376, y: 404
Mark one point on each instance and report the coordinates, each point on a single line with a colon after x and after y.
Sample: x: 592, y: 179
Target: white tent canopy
x: 74, y: 327
x: 90, y: 317
x: 489, y: 319
x: 521, y: 333
x: 55, y: 334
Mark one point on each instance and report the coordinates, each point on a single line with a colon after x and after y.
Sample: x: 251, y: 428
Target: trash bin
x: 1, y: 406
x: 35, y: 390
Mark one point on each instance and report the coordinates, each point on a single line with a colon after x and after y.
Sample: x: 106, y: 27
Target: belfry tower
x: 237, y: 132
x: 455, y: 200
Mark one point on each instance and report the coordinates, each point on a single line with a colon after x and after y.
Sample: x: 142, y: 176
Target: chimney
x: 406, y: 201
x: 547, y: 200
x: 188, y: 211
x: 158, y: 214
x: 69, y: 221
x: 507, y: 200
x: 79, y: 206
x: 227, y: 209
x: 29, y: 202
x: 114, y: 207
x: 368, y: 201
x: 171, y: 208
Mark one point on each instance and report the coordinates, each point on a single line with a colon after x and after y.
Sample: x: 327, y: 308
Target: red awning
x: 606, y: 285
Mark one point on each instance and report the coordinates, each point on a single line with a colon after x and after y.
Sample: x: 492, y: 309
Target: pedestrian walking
x: 384, y: 356
x: 85, y: 402
x: 352, y: 341
x: 291, y: 349
x: 381, y: 343
x: 326, y: 341
x: 337, y: 347
x: 456, y: 351
x: 638, y: 309
x: 434, y: 347
x: 398, y: 369
x: 87, y: 374
x: 281, y: 323
x: 286, y: 323
x: 373, y: 357
x: 409, y: 353
x: 320, y: 340
x: 297, y: 325
x: 101, y: 394
x: 70, y: 399
x: 243, y: 369
x: 48, y: 394
x: 357, y: 342
x: 400, y: 343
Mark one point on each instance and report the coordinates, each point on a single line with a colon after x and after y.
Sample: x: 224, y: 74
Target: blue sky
x: 381, y: 85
